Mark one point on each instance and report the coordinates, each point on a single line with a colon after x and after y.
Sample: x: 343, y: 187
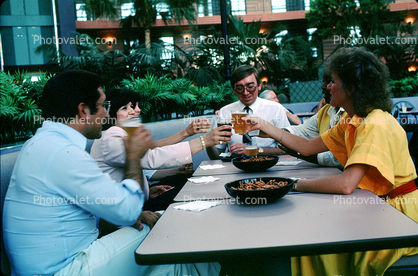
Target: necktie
x: 246, y: 138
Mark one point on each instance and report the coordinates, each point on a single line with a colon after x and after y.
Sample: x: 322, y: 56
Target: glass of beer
x: 240, y: 126
x: 251, y: 149
x: 221, y: 121
x: 131, y: 124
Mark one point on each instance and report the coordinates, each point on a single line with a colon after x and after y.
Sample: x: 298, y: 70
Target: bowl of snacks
x: 259, y: 190
x: 255, y: 163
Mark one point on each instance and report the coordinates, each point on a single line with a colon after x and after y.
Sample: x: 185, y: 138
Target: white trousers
x: 114, y: 254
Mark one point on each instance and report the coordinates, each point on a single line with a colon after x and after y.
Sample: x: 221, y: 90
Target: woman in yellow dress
x: 372, y: 147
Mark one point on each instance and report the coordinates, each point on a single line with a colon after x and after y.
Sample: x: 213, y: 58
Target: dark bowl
x: 255, y: 166
x: 257, y: 197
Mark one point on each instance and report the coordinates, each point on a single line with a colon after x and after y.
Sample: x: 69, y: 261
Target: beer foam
x: 131, y: 123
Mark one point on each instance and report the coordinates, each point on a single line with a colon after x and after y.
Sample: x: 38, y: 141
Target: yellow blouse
x: 377, y: 140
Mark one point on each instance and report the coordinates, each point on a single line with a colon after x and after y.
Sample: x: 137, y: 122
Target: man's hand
x: 147, y: 217
x: 237, y: 148
x: 138, y: 144
x: 157, y: 190
x: 136, y: 147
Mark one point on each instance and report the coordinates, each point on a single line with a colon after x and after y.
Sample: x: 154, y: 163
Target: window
x: 80, y: 14
x: 238, y: 7
x: 162, y: 8
x: 127, y: 9
x: 307, y: 5
x: 169, y: 48
x: 278, y: 6
x: 289, y: 5
x: 201, y: 9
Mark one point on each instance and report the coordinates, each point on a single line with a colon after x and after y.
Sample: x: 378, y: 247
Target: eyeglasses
x: 250, y: 88
x: 106, y: 106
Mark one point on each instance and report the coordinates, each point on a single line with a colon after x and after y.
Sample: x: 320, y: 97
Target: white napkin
x: 203, y: 179
x: 287, y: 163
x: 211, y: 167
x: 197, y: 206
x: 225, y: 154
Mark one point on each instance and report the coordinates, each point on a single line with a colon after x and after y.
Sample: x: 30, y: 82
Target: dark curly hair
x: 364, y: 76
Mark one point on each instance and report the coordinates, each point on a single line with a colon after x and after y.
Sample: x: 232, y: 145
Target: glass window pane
x: 278, y: 6
x: 80, y: 14
x: 127, y: 9
x: 238, y: 7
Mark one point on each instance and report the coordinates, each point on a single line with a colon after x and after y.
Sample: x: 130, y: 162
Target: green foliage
x: 407, y: 87
x: 162, y: 96
x: 19, y: 112
x: 366, y: 23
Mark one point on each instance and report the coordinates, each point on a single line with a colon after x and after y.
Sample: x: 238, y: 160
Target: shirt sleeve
x: 84, y: 184
x: 149, y: 173
x: 281, y: 118
x: 309, y: 128
x: 167, y: 156
x: 113, y: 148
x: 329, y: 160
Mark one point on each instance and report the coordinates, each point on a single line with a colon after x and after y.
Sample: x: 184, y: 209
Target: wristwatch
x: 260, y: 150
x: 295, y: 185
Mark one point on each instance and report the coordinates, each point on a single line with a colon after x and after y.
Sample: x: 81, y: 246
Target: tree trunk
x: 147, y: 38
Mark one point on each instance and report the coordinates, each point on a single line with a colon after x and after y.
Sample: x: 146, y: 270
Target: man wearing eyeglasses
x: 57, y: 189
x: 246, y: 84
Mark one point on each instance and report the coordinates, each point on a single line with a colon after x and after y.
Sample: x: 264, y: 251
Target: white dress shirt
x: 270, y: 111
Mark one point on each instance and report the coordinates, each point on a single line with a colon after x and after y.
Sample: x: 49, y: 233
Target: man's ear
x: 83, y: 110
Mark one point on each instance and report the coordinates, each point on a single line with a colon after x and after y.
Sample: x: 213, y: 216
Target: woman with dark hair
x: 372, y: 147
x: 109, y: 150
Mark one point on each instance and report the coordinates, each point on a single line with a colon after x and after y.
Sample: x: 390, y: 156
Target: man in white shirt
x: 246, y: 84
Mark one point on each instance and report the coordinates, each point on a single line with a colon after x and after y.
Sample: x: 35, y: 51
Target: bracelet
x: 203, y: 142
x: 295, y: 185
x: 281, y: 136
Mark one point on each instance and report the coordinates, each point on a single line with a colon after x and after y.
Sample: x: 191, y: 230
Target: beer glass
x: 239, y: 125
x: 221, y: 121
x: 251, y: 148
x: 130, y: 125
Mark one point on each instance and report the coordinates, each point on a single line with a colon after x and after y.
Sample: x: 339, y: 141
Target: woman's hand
x: 147, y: 217
x: 157, y: 190
x: 254, y: 123
x: 218, y: 136
x: 198, y: 126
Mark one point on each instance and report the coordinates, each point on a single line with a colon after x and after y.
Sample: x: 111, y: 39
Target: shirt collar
x: 356, y: 120
x: 253, y: 107
x: 69, y: 133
